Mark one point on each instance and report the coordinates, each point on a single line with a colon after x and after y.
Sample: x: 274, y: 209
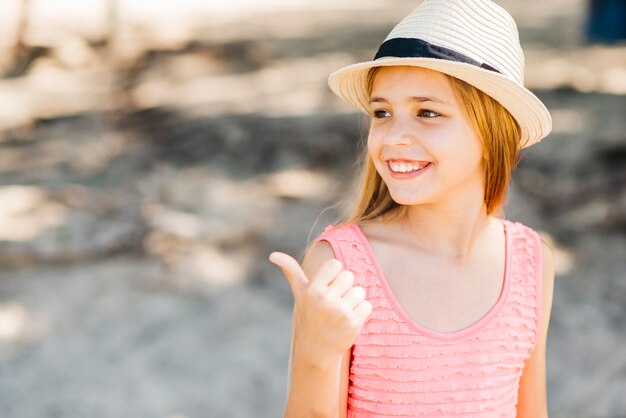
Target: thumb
x: 291, y: 269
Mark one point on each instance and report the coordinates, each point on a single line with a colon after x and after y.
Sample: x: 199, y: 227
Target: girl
x: 424, y: 302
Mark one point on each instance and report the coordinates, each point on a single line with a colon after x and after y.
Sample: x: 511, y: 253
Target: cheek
x: 463, y: 145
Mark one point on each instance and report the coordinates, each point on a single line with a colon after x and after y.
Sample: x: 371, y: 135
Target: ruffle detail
x: 437, y: 362
x: 430, y: 398
x: 484, y: 409
x: 397, y: 370
x: 381, y: 385
x: 424, y: 352
x: 437, y: 374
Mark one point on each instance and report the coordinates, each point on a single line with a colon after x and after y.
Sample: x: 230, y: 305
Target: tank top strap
x: 350, y: 250
x: 526, y: 266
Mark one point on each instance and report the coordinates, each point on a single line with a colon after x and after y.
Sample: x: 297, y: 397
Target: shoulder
x: 544, y: 256
x: 317, y: 254
x: 323, y: 248
x: 534, y: 239
x: 545, y: 272
x: 543, y: 250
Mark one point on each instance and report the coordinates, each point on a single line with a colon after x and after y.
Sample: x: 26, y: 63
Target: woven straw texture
x: 479, y: 29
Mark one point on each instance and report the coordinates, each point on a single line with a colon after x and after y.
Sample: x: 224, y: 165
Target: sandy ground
x: 145, y: 180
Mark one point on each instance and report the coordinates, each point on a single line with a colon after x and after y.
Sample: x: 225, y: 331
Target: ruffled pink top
x: 402, y: 369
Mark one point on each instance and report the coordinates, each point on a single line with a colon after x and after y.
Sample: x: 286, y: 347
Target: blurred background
x: 153, y: 153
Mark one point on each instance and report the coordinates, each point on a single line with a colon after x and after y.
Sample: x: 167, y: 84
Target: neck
x: 450, y: 232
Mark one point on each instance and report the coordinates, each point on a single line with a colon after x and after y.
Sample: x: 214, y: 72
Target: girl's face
x: 418, y: 123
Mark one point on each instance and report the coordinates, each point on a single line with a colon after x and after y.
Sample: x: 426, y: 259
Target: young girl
x: 424, y: 302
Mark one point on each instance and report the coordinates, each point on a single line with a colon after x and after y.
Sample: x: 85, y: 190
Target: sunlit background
x: 153, y: 153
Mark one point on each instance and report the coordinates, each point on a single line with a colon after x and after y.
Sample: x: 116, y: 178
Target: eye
x: 428, y: 114
x: 379, y: 114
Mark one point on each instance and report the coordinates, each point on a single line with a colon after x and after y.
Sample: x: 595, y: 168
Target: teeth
x: 403, y: 167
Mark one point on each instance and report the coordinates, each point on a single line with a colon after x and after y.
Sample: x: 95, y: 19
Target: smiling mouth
x: 400, y: 167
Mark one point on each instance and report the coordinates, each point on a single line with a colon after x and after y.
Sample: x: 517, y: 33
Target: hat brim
x: 532, y: 115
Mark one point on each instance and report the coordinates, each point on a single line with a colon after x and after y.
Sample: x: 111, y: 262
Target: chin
x: 403, y: 199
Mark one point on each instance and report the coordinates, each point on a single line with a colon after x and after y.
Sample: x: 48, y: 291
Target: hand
x: 329, y: 310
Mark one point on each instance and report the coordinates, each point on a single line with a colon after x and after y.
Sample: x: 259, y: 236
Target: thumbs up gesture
x: 329, y: 309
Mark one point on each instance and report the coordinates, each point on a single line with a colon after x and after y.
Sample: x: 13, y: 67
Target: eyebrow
x: 413, y: 99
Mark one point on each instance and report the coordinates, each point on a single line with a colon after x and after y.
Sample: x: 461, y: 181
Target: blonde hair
x: 495, y: 127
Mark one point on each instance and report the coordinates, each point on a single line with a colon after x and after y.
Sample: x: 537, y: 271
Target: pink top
x: 402, y: 369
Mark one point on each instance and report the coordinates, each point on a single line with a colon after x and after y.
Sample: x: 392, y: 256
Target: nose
x: 398, y: 133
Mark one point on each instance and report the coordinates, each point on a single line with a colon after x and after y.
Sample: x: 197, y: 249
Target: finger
x: 362, y: 311
x: 354, y: 296
x: 342, y: 283
x: 291, y: 269
x: 326, y: 273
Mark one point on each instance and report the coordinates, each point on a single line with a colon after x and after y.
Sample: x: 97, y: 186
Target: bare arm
x: 317, y: 391
x: 318, y: 381
x: 532, y: 399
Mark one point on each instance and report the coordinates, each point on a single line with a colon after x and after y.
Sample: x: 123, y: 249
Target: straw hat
x: 474, y: 40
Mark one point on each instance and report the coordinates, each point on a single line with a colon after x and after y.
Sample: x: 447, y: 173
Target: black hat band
x: 418, y: 48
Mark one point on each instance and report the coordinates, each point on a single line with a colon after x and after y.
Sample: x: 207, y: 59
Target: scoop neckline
x: 463, y: 332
